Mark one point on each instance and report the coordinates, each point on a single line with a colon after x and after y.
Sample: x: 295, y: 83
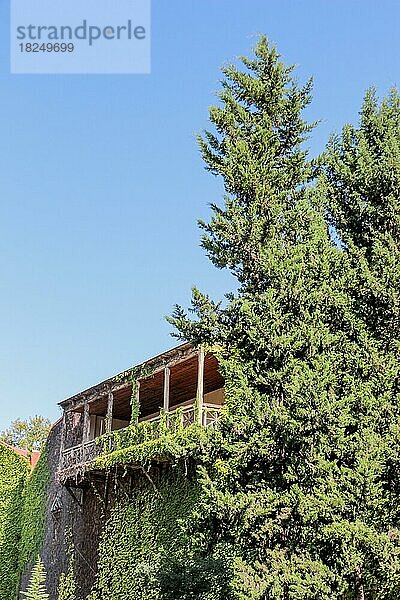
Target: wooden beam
x: 167, y: 374
x: 200, y: 384
x: 86, y: 422
x: 109, y: 416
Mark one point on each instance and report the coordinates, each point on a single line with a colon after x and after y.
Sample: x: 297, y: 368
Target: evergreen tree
x: 362, y: 186
x: 295, y: 495
x: 361, y: 182
x: 36, y: 588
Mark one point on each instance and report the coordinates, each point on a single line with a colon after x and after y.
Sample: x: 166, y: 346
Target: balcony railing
x: 79, y: 455
x: 187, y: 415
x: 82, y: 454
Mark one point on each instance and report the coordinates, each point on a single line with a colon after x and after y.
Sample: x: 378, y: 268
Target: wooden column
x: 200, y: 385
x: 137, y: 400
x: 86, y: 422
x: 63, y: 435
x: 109, y: 416
x: 167, y: 374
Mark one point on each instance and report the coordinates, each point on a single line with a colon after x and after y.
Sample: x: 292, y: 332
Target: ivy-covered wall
x: 73, y: 519
x: 145, y: 534
x: 23, y: 498
x: 32, y: 513
x: 14, y: 470
x: 127, y: 530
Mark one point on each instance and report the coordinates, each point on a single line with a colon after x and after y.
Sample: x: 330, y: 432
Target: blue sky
x: 101, y: 182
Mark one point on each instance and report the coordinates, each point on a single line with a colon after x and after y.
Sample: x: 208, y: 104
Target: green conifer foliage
x: 36, y: 588
x: 362, y: 181
x: 297, y: 495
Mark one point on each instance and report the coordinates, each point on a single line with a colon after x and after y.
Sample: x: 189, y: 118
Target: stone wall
x: 72, y: 515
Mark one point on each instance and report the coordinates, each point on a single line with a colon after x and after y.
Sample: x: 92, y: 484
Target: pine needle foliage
x: 36, y: 588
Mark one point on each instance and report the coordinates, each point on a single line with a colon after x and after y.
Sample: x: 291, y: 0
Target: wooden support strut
x: 79, y: 501
x: 109, y: 416
x: 167, y: 374
x: 200, y: 385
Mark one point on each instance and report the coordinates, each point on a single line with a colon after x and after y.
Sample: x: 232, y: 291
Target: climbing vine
x: 14, y: 471
x: 145, y: 533
x: 32, y: 513
x: 166, y: 440
x: 133, y: 375
x: 67, y: 585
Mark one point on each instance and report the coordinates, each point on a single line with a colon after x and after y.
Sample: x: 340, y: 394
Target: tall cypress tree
x: 362, y: 186
x: 293, y: 504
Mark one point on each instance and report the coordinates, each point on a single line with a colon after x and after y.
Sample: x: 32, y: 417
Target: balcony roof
x: 122, y: 380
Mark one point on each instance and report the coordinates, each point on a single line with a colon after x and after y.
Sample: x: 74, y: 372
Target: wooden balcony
x: 184, y: 387
x: 79, y: 457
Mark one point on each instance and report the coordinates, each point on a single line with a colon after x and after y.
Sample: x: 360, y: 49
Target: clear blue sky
x: 101, y: 182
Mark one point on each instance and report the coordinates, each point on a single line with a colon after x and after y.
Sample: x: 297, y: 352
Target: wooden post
x: 63, y: 436
x: 86, y: 422
x: 167, y: 374
x: 109, y: 416
x: 137, y: 401
x: 200, y: 385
